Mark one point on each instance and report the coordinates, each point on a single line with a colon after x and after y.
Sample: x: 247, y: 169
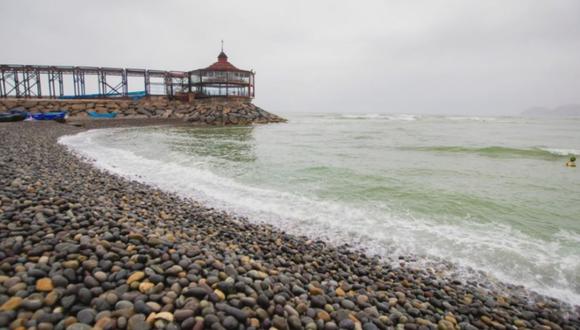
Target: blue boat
x: 15, y: 114
x: 11, y: 116
x: 19, y: 110
x: 109, y: 115
x: 61, y: 115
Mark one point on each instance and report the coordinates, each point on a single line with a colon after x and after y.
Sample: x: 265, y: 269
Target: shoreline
x: 133, y: 256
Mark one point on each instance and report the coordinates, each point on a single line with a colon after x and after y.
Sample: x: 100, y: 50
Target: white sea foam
x: 393, y: 117
x: 562, y: 152
x: 567, y: 235
x: 504, y: 252
x: 465, y: 118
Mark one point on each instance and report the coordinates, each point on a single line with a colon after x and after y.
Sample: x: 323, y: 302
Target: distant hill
x: 569, y: 110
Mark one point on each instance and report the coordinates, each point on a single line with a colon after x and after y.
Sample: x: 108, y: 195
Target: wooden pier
x: 38, y: 81
x: 220, y: 79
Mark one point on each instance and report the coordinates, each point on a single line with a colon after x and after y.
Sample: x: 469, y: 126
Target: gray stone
x: 137, y: 322
x: 230, y: 322
x: 235, y: 312
x: 86, y: 316
x: 79, y: 326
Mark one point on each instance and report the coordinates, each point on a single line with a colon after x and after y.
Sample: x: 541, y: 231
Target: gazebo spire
x: 222, y: 57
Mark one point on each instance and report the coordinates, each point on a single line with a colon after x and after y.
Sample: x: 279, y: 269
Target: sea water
x: 490, y: 195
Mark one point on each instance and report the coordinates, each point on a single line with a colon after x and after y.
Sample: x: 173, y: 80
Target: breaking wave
x: 400, y: 117
x: 503, y: 152
x: 495, y: 248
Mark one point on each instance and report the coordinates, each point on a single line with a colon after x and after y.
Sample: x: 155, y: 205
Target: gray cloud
x: 485, y: 57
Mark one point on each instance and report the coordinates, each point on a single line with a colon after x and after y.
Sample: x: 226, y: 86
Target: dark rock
x: 86, y: 316
x: 141, y: 307
x: 182, y: 314
x: 317, y: 301
x: 235, y: 312
x: 137, y: 322
x: 346, y: 324
x: 79, y: 326
x: 280, y: 323
x: 230, y: 322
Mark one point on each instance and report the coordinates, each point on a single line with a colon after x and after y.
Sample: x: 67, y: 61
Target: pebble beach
x: 81, y: 248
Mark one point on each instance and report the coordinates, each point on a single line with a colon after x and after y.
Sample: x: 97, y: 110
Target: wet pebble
x: 80, y: 247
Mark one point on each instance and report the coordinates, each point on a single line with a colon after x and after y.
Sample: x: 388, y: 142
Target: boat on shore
x: 58, y: 116
x: 12, y: 116
x: 94, y: 114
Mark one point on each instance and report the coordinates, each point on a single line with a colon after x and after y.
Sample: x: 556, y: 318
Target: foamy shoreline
x: 152, y: 259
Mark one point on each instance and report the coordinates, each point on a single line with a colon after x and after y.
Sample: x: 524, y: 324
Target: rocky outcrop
x: 216, y: 111
x: 211, y: 111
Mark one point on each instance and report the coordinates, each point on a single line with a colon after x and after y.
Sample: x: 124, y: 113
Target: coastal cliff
x: 211, y: 111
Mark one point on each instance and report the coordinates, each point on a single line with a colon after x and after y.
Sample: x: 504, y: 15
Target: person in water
x: 572, y: 162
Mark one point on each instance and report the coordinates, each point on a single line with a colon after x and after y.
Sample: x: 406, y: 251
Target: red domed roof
x: 222, y: 64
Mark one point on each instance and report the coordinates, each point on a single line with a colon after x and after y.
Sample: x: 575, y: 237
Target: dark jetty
x: 80, y: 248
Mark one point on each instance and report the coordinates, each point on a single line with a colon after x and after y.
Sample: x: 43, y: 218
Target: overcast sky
x: 460, y: 57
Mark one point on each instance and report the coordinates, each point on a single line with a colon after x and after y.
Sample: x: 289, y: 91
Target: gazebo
x: 222, y: 79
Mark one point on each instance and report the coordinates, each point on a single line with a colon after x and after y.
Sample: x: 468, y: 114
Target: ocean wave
x: 562, y: 152
x: 498, y: 151
x: 461, y: 118
x: 409, y: 117
x: 490, y: 247
x: 375, y: 116
x: 568, y: 236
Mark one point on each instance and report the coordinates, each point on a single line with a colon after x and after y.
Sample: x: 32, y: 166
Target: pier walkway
x: 39, y: 81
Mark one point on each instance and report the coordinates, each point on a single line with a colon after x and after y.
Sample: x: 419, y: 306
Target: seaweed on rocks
x: 81, y: 248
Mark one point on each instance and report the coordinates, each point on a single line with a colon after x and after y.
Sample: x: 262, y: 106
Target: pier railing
x: 38, y: 81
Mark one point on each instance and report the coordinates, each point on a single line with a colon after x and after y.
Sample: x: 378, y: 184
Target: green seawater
x: 489, y: 194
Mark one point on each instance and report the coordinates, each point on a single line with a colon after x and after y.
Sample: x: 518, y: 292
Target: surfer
x: 572, y: 162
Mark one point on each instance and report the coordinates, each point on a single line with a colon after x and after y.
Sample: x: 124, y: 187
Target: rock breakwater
x: 80, y: 248
x: 210, y: 111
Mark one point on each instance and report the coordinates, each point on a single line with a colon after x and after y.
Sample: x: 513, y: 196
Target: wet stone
x: 280, y: 322
x: 67, y: 301
x: 76, y: 241
x: 346, y: 324
x: 189, y: 323
x: 79, y: 326
x: 32, y: 304
x: 101, y: 304
x: 294, y: 322
x: 248, y: 301
x: 210, y: 319
x: 137, y: 322
x: 153, y: 306
x: 85, y: 296
x: 230, y: 322
x: 317, y: 301
x: 37, y: 273
x: 141, y: 307
x: 123, y: 304
x: 86, y: 316
x: 370, y: 326
x: 347, y: 304
x: 156, y: 278
x: 197, y: 292
x: 263, y: 301
x: 235, y: 312
x: 182, y: 314
x: 100, y: 276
